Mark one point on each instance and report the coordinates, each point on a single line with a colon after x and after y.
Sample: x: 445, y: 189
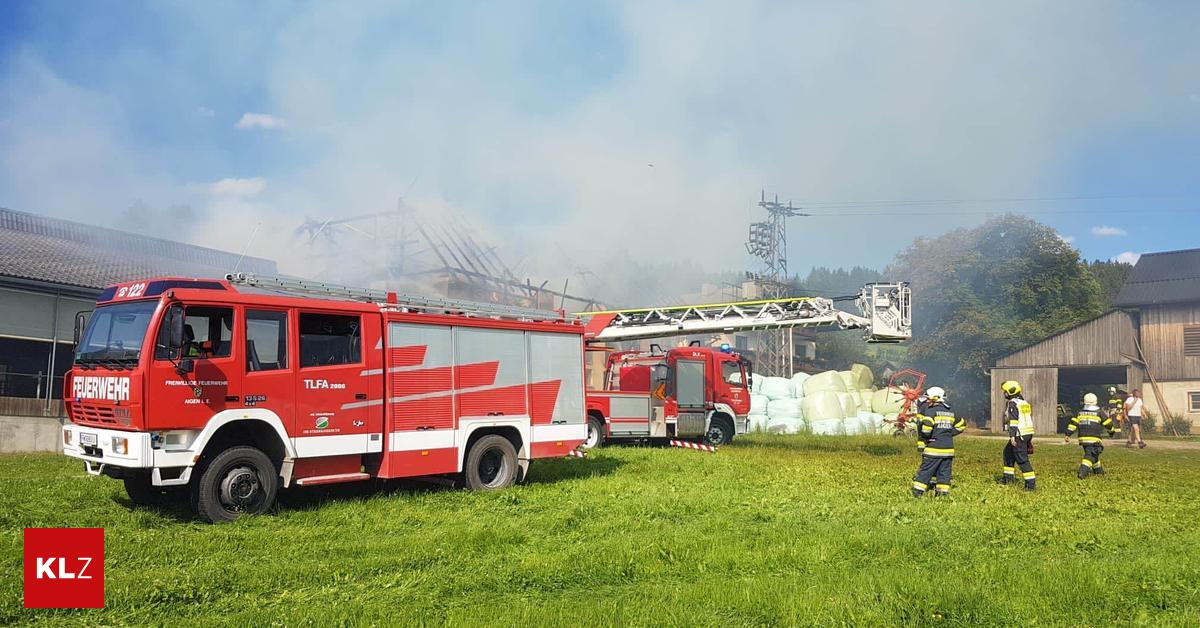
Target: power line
x: 1015, y: 199
x: 956, y: 212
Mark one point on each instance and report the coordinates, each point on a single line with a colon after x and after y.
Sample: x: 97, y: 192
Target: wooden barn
x: 1153, y: 333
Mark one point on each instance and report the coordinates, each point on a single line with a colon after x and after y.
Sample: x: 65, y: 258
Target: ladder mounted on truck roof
x: 398, y: 300
x: 886, y: 317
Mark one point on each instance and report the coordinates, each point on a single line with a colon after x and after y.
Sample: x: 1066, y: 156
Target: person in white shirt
x: 1133, y: 412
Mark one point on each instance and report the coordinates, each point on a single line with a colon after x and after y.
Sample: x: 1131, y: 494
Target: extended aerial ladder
x: 886, y: 317
x: 886, y: 311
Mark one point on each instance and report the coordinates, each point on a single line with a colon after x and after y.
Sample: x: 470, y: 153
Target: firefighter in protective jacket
x: 1018, y: 421
x: 1116, y: 409
x: 937, y: 426
x: 1091, y: 423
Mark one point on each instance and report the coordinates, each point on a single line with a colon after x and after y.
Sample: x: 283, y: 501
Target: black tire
x: 491, y: 464
x: 142, y: 492
x: 720, y: 431
x: 595, y: 433
x: 238, y: 481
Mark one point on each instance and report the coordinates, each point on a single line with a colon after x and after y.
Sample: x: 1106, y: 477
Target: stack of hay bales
x: 832, y: 402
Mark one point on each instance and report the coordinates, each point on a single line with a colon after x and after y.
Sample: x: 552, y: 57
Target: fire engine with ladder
x: 704, y: 392
x: 230, y: 389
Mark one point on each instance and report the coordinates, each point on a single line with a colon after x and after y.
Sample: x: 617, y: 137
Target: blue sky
x: 586, y: 131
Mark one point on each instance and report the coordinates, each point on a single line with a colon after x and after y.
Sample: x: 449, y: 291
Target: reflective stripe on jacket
x: 1092, y: 424
x: 937, y: 428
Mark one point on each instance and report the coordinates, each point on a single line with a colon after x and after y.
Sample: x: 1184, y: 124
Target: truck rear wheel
x: 491, y: 464
x: 595, y: 433
x: 238, y: 481
x: 143, y: 492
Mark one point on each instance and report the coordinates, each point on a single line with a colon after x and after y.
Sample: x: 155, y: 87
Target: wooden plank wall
x: 1162, y: 341
x: 1040, y: 387
x: 1101, y: 341
x: 20, y: 406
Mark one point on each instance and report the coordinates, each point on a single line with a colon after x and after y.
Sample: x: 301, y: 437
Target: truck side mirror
x: 80, y: 323
x: 185, y: 366
x: 175, y: 328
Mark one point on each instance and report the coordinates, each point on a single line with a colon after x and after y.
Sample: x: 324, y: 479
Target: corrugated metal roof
x: 71, y: 253
x: 1168, y: 277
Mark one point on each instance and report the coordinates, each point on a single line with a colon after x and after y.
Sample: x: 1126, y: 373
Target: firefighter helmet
x: 1112, y: 391
x: 1010, y: 388
x: 935, y: 394
x: 1090, y: 399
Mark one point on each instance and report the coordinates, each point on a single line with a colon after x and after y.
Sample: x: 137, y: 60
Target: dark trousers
x: 933, y: 466
x: 1091, y: 459
x: 1018, y: 457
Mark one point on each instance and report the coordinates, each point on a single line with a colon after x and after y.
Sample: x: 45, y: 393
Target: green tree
x: 982, y: 293
x: 1111, y: 276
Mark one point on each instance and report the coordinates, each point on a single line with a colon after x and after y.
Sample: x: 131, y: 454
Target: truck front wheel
x: 720, y: 431
x: 238, y: 481
x: 491, y: 464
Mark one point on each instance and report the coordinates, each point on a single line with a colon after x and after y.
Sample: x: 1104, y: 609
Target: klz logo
x: 64, y: 567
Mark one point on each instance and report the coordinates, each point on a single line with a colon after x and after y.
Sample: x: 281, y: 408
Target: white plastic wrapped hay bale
x: 887, y: 401
x: 849, y: 405
x: 870, y: 423
x: 785, y: 425
x: 822, y: 405
x: 798, y: 383
x: 828, y: 427
x: 848, y: 380
x: 777, y: 388
x: 758, y: 403
x: 829, y: 381
x: 758, y: 422
x: 785, y: 409
x: 862, y: 377
x: 756, y: 382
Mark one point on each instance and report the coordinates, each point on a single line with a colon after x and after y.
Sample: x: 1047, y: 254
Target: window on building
x: 329, y: 339
x: 266, y: 340
x: 1194, y: 402
x: 207, y: 333
x: 1191, y: 340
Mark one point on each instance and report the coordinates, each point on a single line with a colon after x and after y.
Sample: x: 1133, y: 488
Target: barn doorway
x: 1076, y: 381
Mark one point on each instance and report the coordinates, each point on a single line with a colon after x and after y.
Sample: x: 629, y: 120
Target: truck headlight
x: 66, y: 437
x: 120, y: 445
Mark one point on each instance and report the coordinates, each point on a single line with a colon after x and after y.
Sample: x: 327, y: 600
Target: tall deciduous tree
x: 982, y: 293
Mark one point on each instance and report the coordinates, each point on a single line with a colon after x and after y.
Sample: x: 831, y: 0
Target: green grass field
x: 772, y: 530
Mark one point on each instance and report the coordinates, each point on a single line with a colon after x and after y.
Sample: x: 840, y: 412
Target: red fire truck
x: 703, y: 392
x: 236, y: 387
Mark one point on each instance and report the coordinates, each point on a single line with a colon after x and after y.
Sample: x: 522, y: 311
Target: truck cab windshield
x: 115, y: 334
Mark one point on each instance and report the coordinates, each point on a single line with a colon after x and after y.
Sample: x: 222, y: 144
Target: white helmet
x: 1090, y: 399
x: 935, y: 394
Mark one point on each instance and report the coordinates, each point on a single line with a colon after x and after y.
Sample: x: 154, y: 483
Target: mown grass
x: 772, y: 530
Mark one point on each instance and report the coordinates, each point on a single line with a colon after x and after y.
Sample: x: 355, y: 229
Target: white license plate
x: 86, y: 439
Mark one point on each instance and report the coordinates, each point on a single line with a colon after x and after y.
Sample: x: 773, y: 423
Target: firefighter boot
x: 941, y: 490
x: 1007, y: 476
x: 1084, y: 471
x: 1097, y: 469
x: 1030, y: 480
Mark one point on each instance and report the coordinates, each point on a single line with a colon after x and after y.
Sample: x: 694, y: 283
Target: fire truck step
x: 318, y: 480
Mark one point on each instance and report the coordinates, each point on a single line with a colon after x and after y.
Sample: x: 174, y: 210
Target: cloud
x: 1067, y: 239
x: 259, y: 120
x: 1128, y: 257
x: 205, y: 112
x: 1108, y: 232
x: 537, y: 123
x: 235, y: 187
